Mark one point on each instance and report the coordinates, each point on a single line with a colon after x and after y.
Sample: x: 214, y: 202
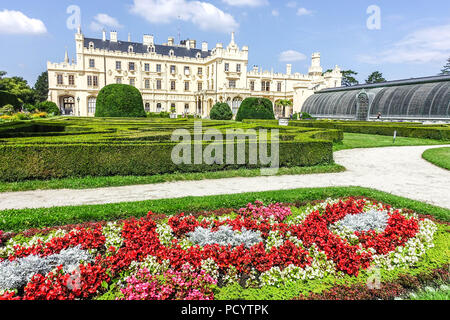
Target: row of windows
x: 60, y: 79
x: 265, y: 86
x: 227, y: 67
x: 172, y: 107
x: 132, y: 82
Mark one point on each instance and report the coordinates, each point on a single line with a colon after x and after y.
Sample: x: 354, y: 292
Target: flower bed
x: 201, y: 257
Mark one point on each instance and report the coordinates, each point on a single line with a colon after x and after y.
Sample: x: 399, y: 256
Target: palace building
x: 178, y: 78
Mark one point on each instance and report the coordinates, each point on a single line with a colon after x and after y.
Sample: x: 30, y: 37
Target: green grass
x: 117, y: 181
x: 439, y: 157
x: 19, y: 220
x: 432, y: 294
x: 358, y: 140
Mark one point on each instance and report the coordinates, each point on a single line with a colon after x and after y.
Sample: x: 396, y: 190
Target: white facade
x: 180, y: 78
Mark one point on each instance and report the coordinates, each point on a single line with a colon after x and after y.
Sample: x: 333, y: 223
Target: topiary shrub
x: 255, y: 108
x: 221, y: 111
x: 48, y: 107
x: 120, y: 100
x: 7, y: 110
x: 8, y: 98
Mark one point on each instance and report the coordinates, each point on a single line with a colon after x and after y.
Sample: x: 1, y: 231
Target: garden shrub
x: 29, y: 108
x: 48, y: 107
x: 221, y: 111
x: 120, y: 100
x: 8, y: 98
x: 7, y: 110
x: 255, y: 108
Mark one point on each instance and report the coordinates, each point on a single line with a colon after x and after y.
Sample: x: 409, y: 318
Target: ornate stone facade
x: 176, y: 77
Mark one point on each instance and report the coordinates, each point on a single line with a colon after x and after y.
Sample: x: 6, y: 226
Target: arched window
x: 199, y: 55
x: 236, y: 104
x: 171, y: 53
x: 92, y: 102
x: 151, y: 49
x: 147, y: 107
x: 130, y: 49
x: 158, y: 107
x: 91, y: 45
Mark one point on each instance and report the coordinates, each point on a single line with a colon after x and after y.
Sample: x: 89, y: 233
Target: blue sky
x: 413, y: 39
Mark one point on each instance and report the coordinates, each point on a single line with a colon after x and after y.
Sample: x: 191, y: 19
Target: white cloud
x: 249, y: 3
x: 291, y: 4
x: 291, y: 56
x: 15, y: 22
x: 275, y: 12
x: 102, y: 21
x: 202, y: 14
x: 303, y: 12
x: 422, y: 46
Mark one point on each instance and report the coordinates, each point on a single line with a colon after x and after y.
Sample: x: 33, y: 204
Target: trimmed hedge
x: 60, y: 161
x: 49, y: 107
x: 221, y: 111
x: 411, y: 130
x: 255, y: 108
x: 8, y: 98
x: 70, y: 147
x: 120, y: 100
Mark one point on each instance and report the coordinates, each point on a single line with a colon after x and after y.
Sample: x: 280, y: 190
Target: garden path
x: 397, y: 170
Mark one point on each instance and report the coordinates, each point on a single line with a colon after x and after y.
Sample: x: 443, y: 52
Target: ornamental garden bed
x: 348, y: 248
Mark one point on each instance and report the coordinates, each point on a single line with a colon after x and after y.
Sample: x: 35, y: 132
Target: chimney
x: 113, y: 36
x: 104, y: 35
x: 148, y: 40
x: 170, y: 41
x: 288, y: 68
x: 192, y: 44
x: 205, y: 46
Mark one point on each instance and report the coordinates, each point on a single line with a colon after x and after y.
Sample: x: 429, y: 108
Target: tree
x: 18, y: 87
x: 282, y: 104
x: 120, y: 100
x: 446, y: 70
x: 41, y: 88
x: 375, y: 77
x: 2, y: 73
x: 255, y: 108
x: 348, y: 78
x: 48, y: 107
x: 221, y: 111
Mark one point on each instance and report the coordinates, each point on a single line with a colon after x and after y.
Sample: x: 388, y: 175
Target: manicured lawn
x: 357, y: 140
x: 439, y: 157
x: 19, y: 220
x: 116, y: 181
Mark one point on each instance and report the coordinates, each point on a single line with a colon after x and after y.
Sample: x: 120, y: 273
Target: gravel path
x: 397, y: 170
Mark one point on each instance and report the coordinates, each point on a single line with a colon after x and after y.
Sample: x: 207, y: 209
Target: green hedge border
x: 20, y: 220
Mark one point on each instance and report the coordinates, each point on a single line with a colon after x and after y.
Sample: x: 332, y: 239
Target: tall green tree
x: 446, y: 70
x: 2, y: 74
x: 375, y: 77
x: 19, y: 87
x: 348, y: 77
x: 41, y: 88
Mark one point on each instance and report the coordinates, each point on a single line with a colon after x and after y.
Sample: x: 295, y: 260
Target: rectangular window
x: 147, y: 67
x: 200, y: 86
x: 227, y: 67
x: 60, y: 79
x: 132, y: 82
x: 119, y: 80
x: 267, y: 85
x: 232, y: 84
x: 172, y: 69
x: 131, y: 66
x: 238, y: 67
x: 147, y: 84
x: 186, y: 86
x: 118, y: 65
x: 95, y: 81
x: 158, y: 68
x: 252, y: 85
x: 172, y: 85
x: 158, y: 84
x: 279, y: 87
x: 91, y: 63
x: 71, y: 80
x: 186, y: 108
x: 187, y: 71
x: 89, y: 81
x: 200, y: 71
